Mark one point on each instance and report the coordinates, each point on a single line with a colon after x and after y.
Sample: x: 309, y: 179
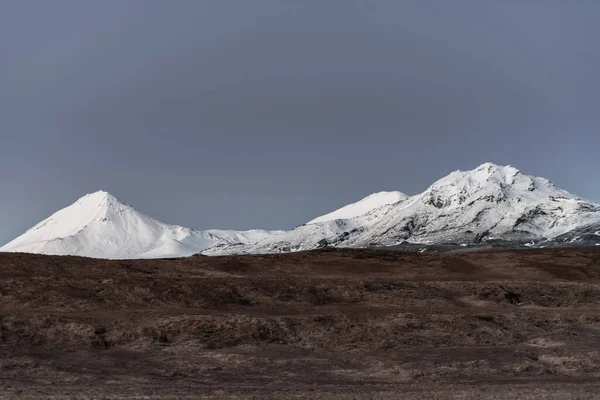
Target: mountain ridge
x: 488, y: 203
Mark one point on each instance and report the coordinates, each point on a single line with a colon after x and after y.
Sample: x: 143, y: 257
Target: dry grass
x: 324, y: 324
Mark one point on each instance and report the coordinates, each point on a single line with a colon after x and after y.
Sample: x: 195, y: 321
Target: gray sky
x: 267, y: 113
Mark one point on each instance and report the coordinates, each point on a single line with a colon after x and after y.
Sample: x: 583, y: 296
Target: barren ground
x: 352, y: 324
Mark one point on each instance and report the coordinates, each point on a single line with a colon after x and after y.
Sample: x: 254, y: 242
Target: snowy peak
x: 72, y: 219
x: 491, y: 175
x: 361, y: 207
x: 100, y: 200
x: 488, y: 182
x: 488, y: 202
x: 99, y: 225
x: 484, y: 174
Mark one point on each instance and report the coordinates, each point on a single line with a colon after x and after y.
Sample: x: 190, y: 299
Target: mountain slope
x: 362, y: 207
x: 98, y: 225
x: 489, y: 202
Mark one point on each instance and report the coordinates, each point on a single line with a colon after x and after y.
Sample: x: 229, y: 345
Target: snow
x: 361, y: 207
x: 98, y: 225
x: 489, y: 202
x: 466, y: 207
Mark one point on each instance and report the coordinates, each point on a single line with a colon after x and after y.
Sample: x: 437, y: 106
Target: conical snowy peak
x: 99, y: 225
x: 74, y: 218
x: 100, y: 200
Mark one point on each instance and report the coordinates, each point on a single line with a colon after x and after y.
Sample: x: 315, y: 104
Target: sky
x: 240, y: 114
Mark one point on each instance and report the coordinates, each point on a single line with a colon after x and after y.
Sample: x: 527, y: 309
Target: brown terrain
x: 330, y: 324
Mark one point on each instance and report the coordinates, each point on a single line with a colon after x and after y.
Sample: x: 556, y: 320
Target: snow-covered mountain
x: 489, y: 202
x: 99, y: 225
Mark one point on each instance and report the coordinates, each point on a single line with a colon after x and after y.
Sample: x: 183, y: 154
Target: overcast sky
x: 267, y: 113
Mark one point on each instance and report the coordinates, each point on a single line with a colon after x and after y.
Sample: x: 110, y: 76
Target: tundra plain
x: 325, y: 324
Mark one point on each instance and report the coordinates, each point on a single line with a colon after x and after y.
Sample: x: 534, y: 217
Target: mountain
x: 489, y: 203
x: 98, y: 225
